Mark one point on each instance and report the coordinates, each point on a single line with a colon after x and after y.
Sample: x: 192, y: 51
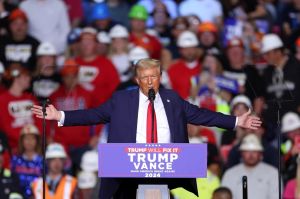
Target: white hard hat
x: 118, y: 31
x: 103, y: 37
x: 187, y: 39
x: 270, y: 42
x: 15, y: 195
x: 251, y: 143
x: 55, y: 150
x: 29, y: 129
x: 290, y: 122
x: 241, y: 99
x: 1, y: 68
x: 137, y: 53
x: 46, y: 48
x: 86, y: 180
x: 89, y: 161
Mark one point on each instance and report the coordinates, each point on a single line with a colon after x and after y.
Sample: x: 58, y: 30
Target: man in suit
x: 127, y: 114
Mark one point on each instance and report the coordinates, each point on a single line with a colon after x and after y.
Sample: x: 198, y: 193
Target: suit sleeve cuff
x: 62, y: 119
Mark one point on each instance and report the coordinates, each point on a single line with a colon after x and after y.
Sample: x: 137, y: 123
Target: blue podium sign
x: 152, y: 160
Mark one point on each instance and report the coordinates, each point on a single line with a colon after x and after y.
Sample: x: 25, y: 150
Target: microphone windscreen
x: 151, y: 94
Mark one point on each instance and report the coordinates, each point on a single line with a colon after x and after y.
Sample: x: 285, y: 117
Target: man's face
x: 88, y: 45
x: 56, y: 165
x: 189, y: 54
x: 24, y: 80
x: 235, y: 54
x: 239, y: 109
x: 251, y: 158
x: 18, y: 28
x: 137, y: 25
x: 148, y: 78
x: 46, y: 64
x: 223, y: 195
x: 270, y: 57
x: 207, y: 39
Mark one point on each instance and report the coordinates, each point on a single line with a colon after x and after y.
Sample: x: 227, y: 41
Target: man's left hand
x: 248, y: 121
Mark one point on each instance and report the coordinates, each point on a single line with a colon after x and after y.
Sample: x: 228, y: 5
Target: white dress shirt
x: 163, y: 130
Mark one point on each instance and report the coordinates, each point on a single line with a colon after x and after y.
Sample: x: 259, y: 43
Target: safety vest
x: 205, y: 186
x: 65, y: 189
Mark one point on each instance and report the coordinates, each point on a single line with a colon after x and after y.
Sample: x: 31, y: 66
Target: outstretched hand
x: 51, y: 112
x: 248, y: 121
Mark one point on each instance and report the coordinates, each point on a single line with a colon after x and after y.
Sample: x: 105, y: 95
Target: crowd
x: 227, y: 56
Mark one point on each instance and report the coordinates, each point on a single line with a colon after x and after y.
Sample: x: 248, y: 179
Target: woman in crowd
x: 28, y: 164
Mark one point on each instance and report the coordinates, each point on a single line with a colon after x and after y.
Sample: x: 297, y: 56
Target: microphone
x: 151, y: 94
x: 151, y: 97
x: 245, y: 187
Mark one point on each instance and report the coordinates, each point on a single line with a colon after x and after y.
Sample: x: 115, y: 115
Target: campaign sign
x: 152, y: 160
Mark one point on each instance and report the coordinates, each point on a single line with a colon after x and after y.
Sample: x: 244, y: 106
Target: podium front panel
x: 152, y: 160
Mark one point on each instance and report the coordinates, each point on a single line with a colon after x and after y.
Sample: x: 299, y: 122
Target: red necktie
x: 149, y: 125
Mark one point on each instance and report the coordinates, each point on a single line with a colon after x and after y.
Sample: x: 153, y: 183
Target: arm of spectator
x: 260, y: 11
x: 63, y: 27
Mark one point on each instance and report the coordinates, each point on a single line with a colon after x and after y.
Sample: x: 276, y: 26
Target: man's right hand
x: 51, y: 112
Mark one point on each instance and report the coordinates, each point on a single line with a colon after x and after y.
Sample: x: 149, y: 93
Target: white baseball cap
x: 86, y: 180
x: 270, y: 42
x: 89, y: 161
x: 241, y: 99
x: 46, y: 48
x: 251, y: 143
x: 137, y: 53
x: 15, y: 195
x: 187, y: 39
x: 118, y: 31
x: 290, y: 122
x: 88, y: 30
x: 55, y: 150
x: 103, y: 37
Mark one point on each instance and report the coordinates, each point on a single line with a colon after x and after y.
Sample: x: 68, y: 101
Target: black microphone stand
x: 245, y: 187
x: 44, y: 104
x: 279, y: 148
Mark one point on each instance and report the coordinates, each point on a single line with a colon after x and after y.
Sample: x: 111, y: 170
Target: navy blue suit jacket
x: 121, y: 111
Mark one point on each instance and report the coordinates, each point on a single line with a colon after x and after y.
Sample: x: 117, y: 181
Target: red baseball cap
x: 17, y: 13
x: 70, y: 67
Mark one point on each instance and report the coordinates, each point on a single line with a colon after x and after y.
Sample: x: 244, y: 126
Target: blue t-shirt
x: 27, y: 170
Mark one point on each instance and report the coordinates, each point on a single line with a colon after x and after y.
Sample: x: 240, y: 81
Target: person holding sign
x: 129, y: 113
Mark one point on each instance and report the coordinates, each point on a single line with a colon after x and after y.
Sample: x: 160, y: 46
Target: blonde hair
x: 147, y: 63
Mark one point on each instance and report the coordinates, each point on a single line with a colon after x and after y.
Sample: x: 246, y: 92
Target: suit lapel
x: 169, y: 112
x: 133, y: 108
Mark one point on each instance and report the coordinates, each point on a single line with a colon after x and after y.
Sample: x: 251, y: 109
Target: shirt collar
x: 144, y: 98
